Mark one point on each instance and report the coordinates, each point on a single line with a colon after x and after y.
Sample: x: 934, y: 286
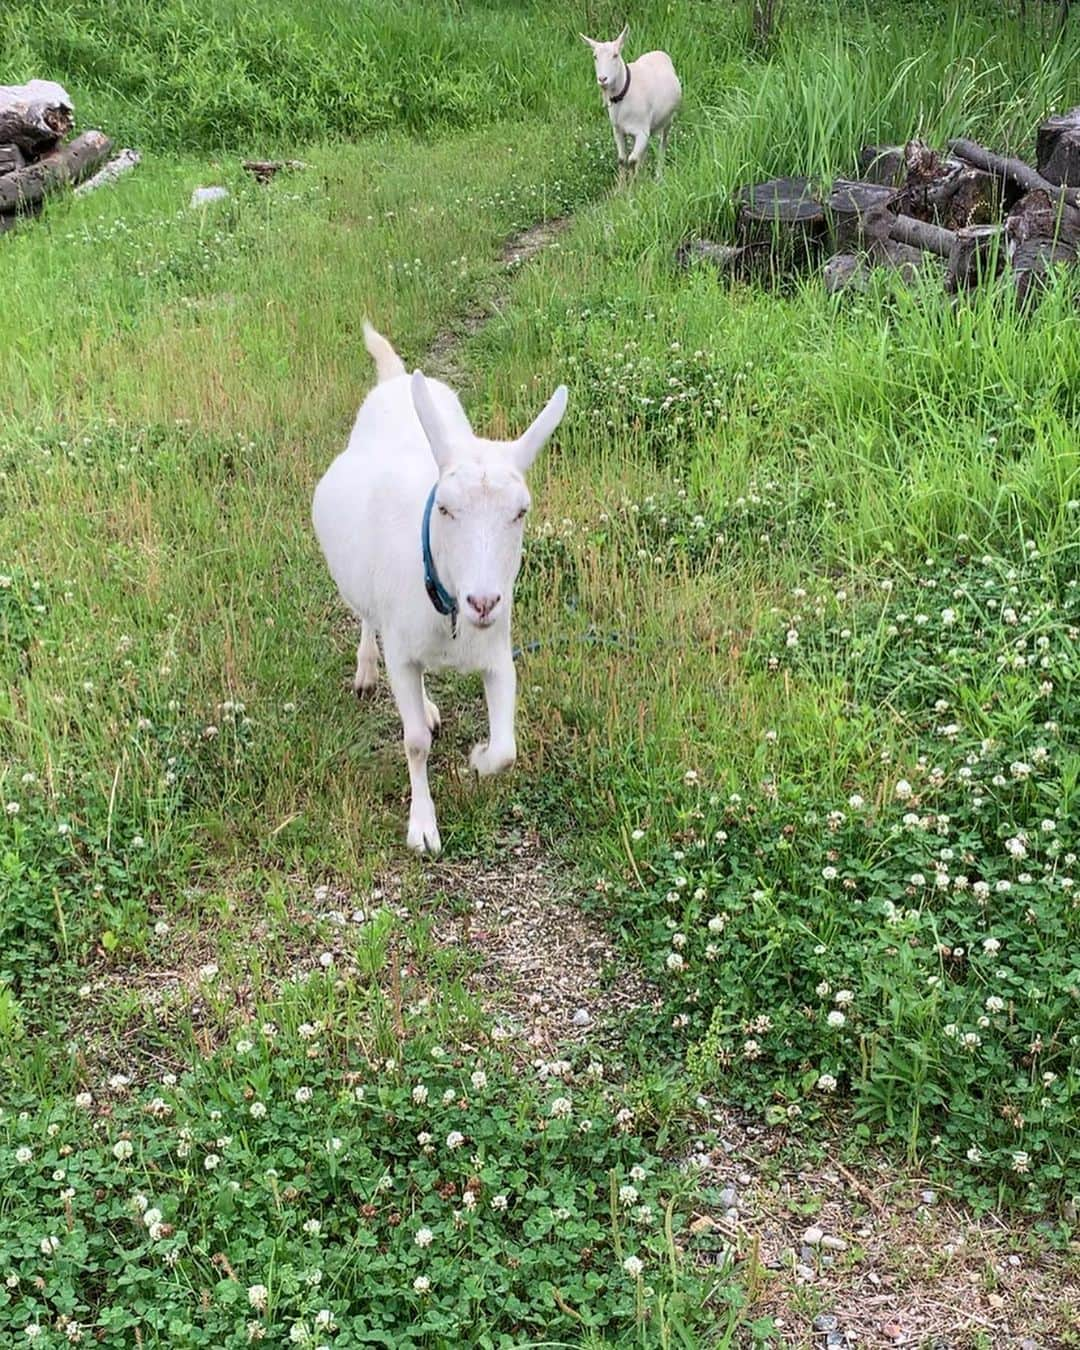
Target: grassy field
x: 798, y: 704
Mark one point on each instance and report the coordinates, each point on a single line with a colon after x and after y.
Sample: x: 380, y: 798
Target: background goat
x: 421, y: 525
x: 642, y: 97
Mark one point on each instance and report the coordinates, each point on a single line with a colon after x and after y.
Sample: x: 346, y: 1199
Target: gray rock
x: 744, y: 1179
x: 582, y: 1017
x: 928, y: 1197
x: 812, y: 1237
x: 204, y: 195
x: 835, y: 1338
x: 805, y: 1272
x: 807, y: 1254
x: 826, y: 1322
x: 728, y: 1198
x: 834, y: 1244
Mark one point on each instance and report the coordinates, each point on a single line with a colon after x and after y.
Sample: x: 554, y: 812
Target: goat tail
x: 387, y: 362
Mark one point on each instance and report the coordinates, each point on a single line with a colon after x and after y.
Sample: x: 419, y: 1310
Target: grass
x: 190, y: 773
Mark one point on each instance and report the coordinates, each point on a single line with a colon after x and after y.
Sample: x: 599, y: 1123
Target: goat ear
x: 429, y: 418
x: 621, y: 38
x: 589, y: 42
x: 527, y: 446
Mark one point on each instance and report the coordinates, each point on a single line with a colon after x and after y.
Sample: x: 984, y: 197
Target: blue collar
x: 439, y: 596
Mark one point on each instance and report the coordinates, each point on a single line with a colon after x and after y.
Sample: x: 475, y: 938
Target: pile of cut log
x: 967, y: 215
x: 35, y: 156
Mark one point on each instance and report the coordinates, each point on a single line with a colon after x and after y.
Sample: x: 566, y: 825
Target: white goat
x: 642, y: 97
x: 421, y: 525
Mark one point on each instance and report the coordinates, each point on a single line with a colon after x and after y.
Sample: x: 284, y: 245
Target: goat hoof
x: 424, y: 839
x: 484, y: 762
x: 364, y: 681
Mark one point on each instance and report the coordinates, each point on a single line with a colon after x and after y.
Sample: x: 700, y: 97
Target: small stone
x: 835, y: 1338
x: 804, y: 1272
x: 812, y: 1237
x: 1013, y: 1260
x: 995, y: 1300
x: 582, y: 1018
x: 834, y: 1244
x: 745, y: 1179
x: 728, y: 1198
x: 807, y: 1254
x: 705, y: 1224
x: 826, y: 1322
x: 928, y: 1197
x: 731, y: 1215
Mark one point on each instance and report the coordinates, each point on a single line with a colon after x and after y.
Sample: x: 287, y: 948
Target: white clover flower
x: 637, y: 1172
x: 562, y: 1108
x: 628, y: 1195
x: 479, y: 1080
x: 829, y: 873
x: 903, y: 789
x: 12, y: 808
x: 448, y: 1096
x: 123, y: 1150
x: 33, y: 1330
x: 468, y: 1200
x: 974, y: 1155
x: 421, y: 1284
x: 994, y: 1004
x: 302, y: 1095
x: 499, y: 1202
x: 717, y: 923
x: 991, y: 945
x: 633, y: 1265
x: 826, y: 1083
x: 424, y: 1237
x: 823, y: 989
x: 312, y: 1227
x: 258, y: 1110
x: 836, y: 1018
x: 244, y: 1047
x: 856, y: 802
x: 420, y: 1094
x: 455, y: 1139
x: 49, y: 1245
x: 423, y: 1139
x: 299, y: 1333
x: 151, y: 1217
x: 334, y: 1145
x: 211, y: 1161
x: 843, y: 996
x: 674, y: 961
x: 1021, y: 1162
x: 24, y: 1155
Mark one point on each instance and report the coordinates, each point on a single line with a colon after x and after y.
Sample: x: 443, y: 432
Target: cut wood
x: 978, y: 253
x: 34, y: 116
x: 69, y: 163
x: 921, y: 234
x: 1057, y: 149
x: 1037, y: 216
x: 119, y: 165
x: 783, y: 212
x: 1015, y: 170
x: 882, y: 164
x: 852, y: 271
x: 1033, y: 263
x: 728, y: 258
x: 11, y: 158
x: 852, y: 205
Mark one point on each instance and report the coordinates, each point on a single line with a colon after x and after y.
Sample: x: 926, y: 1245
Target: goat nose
x: 482, y: 605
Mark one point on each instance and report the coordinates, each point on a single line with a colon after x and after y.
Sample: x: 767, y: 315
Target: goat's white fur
x: 650, y: 104
x: 367, y: 511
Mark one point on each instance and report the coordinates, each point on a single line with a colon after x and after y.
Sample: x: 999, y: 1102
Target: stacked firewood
x: 967, y: 214
x: 36, y: 157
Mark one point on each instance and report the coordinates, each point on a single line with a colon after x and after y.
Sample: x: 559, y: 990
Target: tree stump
x: 1057, y: 149
x: 1038, y: 216
x: 11, y: 158
x: 882, y: 164
x: 852, y: 208
x: 71, y: 163
x: 1014, y: 170
x: 1032, y: 264
x: 784, y: 214
x: 34, y: 116
x: 978, y: 252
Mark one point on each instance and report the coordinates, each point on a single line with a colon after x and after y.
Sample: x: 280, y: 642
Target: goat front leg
x: 407, y: 682
x: 367, y: 661
x: 620, y: 150
x: 500, y: 691
x: 641, y: 144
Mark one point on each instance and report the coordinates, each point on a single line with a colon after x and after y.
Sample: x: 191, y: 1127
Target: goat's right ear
x: 527, y: 446
x: 429, y: 418
x: 589, y: 42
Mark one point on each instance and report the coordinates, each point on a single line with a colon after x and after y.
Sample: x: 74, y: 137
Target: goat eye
x: 442, y: 510
x: 521, y: 514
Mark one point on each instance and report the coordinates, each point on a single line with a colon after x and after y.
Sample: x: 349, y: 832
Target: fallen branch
x: 122, y: 163
x: 1015, y: 170
x: 264, y: 169
x: 70, y: 163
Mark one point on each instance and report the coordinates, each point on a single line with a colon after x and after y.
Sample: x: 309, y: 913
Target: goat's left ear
x: 527, y: 446
x: 429, y: 417
x: 621, y: 38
